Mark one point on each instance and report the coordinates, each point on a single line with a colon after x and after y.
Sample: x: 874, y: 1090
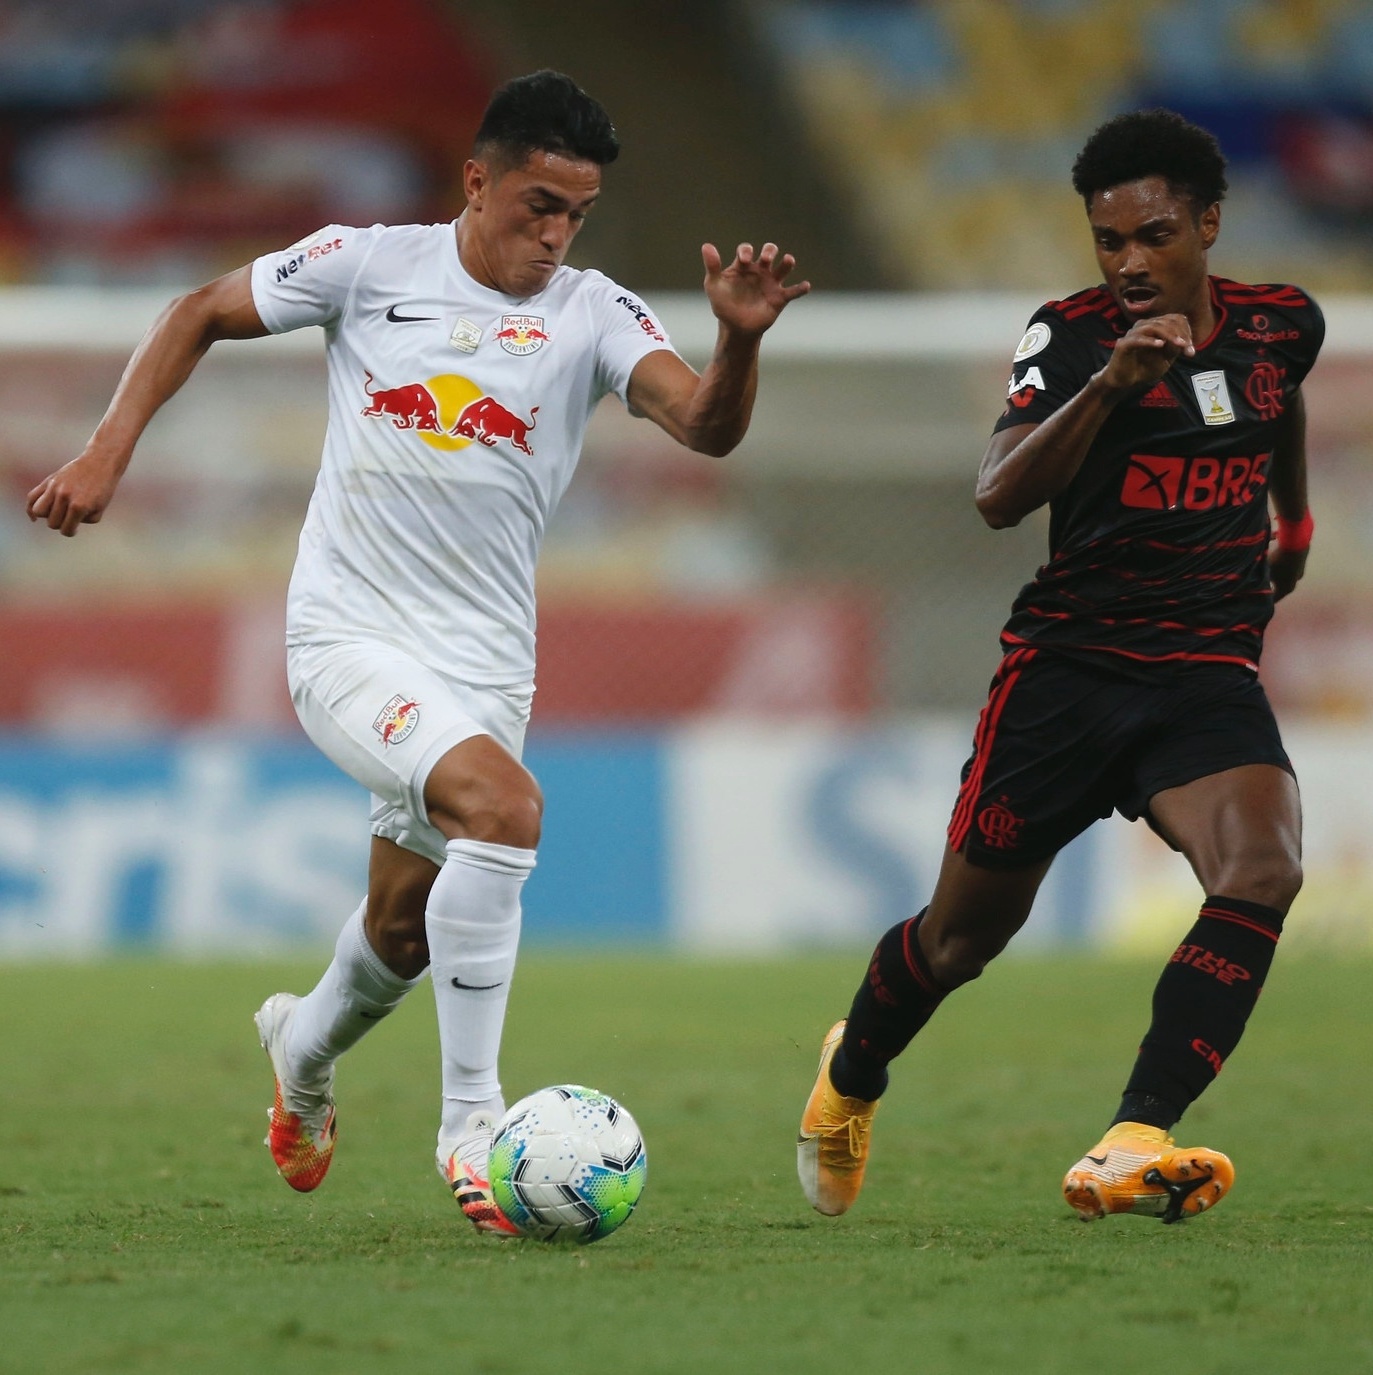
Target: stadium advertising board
x: 716, y: 837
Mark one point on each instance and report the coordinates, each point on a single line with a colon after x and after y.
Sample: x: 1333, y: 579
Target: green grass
x: 142, y: 1227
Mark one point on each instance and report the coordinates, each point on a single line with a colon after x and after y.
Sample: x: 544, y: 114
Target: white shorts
x: 386, y: 720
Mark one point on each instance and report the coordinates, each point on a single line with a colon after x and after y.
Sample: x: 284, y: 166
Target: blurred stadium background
x: 758, y: 676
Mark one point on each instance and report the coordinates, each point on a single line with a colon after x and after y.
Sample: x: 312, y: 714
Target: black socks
x: 1201, y: 1003
x: 896, y: 999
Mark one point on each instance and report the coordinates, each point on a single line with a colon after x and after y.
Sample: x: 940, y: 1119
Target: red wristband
x: 1294, y: 536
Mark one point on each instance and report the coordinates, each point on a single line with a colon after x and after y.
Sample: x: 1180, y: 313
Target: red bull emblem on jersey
x: 396, y: 720
x: 449, y: 412
x: 521, y: 334
x: 410, y: 407
x: 487, y: 421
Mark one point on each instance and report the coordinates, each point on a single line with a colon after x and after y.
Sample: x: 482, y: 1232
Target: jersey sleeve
x: 1311, y: 323
x: 1050, y: 365
x: 627, y: 332
x: 309, y: 283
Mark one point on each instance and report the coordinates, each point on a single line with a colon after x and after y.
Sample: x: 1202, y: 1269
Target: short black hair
x: 1152, y: 143
x: 546, y: 112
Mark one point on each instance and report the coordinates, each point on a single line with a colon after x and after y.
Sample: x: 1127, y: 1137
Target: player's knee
x: 507, y: 816
x: 959, y: 959
x: 1272, y: 879
x: 501, y: 806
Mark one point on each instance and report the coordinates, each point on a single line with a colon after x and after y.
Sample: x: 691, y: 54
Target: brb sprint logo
x: 1157, y: 483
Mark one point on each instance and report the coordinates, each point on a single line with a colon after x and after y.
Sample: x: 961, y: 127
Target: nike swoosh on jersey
x: 406, y: 319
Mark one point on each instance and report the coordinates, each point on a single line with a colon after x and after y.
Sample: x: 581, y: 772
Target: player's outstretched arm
x: 710, y: 412
x: 1028, y: 465
x: 1287, y: 486
x: 78, y: 493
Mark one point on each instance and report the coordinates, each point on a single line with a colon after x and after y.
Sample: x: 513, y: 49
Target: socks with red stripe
x: 896, y: 999
x: 1201, y: 1003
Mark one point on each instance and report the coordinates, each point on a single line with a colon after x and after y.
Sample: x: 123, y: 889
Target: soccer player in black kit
x: 1159, y: 415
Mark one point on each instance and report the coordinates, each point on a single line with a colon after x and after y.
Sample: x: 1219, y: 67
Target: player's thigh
x: 1217, y: 784
x: 974, y: 913
x: 478, y: 790
x: 386, y: 720
x: 1046, y: 761
x: 1240, y: 830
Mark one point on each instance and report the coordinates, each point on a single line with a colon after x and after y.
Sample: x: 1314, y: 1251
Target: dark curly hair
x: 546, y: 112
x: 1152, y: 143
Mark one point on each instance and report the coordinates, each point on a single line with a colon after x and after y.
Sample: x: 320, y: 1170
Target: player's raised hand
x: 749, y: 294
x: 75, y: 495
x: 1148, y: 350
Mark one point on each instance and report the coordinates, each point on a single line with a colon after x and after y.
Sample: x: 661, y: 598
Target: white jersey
x: 456, y: 418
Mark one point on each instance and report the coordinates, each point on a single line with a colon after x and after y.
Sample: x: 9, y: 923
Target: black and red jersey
x: 1158, y: 546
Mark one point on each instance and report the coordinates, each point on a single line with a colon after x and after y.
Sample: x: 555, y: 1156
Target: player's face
x: 522, y: 220
x: 1151, y: 247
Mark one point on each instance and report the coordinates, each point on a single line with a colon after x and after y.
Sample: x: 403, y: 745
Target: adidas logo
x: 1158, y: 395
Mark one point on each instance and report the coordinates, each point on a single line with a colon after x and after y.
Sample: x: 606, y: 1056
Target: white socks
x: 354, y: 994
x: 473, y: 926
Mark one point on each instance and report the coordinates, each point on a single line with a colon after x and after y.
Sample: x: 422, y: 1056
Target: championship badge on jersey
x: 521, y: 334
x: 1213, y: 396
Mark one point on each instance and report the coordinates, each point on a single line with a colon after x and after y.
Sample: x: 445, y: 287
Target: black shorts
x: 1062, y: 743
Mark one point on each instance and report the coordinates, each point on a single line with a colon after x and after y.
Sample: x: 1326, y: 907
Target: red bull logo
x: 487, y: 421
x: 449, y: 412
x: 396, y: 720
x: 411, y: 407
x: 521, y: 334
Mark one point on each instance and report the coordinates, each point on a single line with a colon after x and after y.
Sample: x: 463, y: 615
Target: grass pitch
x: 143, y: 1228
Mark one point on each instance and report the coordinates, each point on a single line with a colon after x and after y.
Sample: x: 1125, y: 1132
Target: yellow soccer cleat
x: 301, y: 1127
x: 1136, y: 1169
x: 832, y: 1146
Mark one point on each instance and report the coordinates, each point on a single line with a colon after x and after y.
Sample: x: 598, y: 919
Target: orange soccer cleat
x: 463, y: 1165
x: 832, y: 1145
x: 301, y: 1131
x: 1136, y: 1169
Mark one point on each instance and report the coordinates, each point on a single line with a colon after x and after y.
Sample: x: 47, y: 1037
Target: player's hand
x: 75, y: 495
x: 1285, y: 569
x: 1147, y: 351
x: 749, y: 294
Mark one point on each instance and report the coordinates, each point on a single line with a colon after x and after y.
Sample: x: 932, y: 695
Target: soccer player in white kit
x: 464, y: 361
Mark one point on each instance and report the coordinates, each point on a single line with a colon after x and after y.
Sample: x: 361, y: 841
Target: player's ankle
x: 1147, y: 1108
x: 858, y: 1076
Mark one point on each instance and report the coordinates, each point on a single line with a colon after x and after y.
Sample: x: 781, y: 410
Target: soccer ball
x: 567, y: 1164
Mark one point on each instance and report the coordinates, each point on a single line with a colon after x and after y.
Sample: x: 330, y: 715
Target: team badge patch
x: 396, y: 720
x: 1213, y: 396
x: 466, y: 336
x: 1263, y: 391
x: 521, y: 334
x: 1036, y: 338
